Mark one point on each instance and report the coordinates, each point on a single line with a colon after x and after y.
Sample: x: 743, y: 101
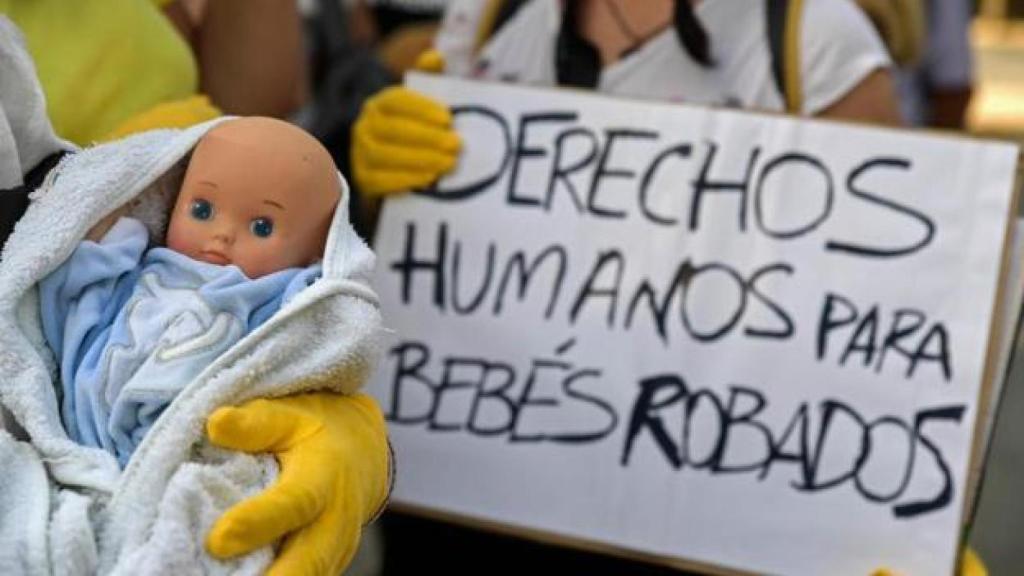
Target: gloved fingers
x: 402, y: 140
x: 430, y: 61
x: 376, y: 181
x: 972, y: 565
x: 408, y: 132
x: 384, y: 182
x: 295, y: 500
x: 400, y: 101
x: 323, y: 549
x: 262, y: 425
x: 383, y: 156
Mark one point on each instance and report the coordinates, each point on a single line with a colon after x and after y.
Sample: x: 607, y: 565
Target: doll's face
x: 259, y: 194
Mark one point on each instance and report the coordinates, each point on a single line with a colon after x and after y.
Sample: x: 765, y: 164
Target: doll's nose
x: 224, y: 236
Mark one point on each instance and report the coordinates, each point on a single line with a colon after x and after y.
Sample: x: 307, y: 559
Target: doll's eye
x: 262, y: 227
x: 201, y: 209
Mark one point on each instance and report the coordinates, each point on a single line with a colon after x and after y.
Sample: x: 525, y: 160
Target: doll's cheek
x: 172, y: 240
x: 182, y: 240
x: 176, y: 240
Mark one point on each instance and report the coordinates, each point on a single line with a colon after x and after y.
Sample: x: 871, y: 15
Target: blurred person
x: 710, y: 52
x: 108, y: 68
x: 359, y: 47
x: 398, y: 30
x: 707, y: 52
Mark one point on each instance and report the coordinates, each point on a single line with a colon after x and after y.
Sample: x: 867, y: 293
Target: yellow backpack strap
x: 902, y: 24
x: 784, y: 19
x: 496, y: 14
x: 487, y: 24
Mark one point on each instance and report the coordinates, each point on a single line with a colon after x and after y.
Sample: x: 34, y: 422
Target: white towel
x: 26, y: 136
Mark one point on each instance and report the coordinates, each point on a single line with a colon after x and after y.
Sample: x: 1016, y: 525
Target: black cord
x: 692, y: 35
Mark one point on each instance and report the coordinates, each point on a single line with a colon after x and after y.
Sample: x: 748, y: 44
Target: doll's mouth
x: 214, y: 257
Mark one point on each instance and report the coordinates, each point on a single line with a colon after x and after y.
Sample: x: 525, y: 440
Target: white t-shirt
x: 839, y: 48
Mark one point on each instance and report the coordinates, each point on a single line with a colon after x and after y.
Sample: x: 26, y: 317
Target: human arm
x: 335, y: 476
x: 948, y: 66
x: 844, y: 68
x: 947, y: 106
x: 249, y: 52
x: 873, y: 100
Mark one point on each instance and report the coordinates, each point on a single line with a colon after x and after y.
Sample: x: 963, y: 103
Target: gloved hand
x: 430, y: 61
x: 403, y: 139
x: 970, y: 565
x: 335, y: 477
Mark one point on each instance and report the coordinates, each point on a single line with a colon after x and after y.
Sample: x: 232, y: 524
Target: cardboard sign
x: 749, y: 341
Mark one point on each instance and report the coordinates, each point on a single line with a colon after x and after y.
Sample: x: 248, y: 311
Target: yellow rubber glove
x: 970, y: 565
x: 335, y: 477
x: 430, y: 61
x: 403, y: 139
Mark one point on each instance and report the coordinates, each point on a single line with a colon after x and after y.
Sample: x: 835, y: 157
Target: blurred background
x: 997, y: 110
x: 997, y: 37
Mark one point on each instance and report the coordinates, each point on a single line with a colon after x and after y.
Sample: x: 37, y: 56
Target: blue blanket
x: 130, y: 328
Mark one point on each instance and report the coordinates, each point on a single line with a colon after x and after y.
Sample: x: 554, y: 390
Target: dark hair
x: 691, y: 34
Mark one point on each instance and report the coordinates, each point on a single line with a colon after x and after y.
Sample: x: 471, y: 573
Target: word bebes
x: 825, y: 445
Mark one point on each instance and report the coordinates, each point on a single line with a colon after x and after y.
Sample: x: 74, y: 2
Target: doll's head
x: 258, y: 193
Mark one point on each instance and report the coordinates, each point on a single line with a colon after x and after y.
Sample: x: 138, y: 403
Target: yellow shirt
x: 101, y: 62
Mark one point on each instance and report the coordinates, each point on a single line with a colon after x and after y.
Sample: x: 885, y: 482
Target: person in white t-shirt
x: 840, y: 50
x: 712, y: 52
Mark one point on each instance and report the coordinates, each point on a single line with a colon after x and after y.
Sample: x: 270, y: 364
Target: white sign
x: 755, y: 342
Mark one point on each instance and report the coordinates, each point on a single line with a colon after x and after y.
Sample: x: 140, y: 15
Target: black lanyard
x: 14, y: 201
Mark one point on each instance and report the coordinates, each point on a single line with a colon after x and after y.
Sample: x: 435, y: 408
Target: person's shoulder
x: 838, y: 31
x: 839, y: 49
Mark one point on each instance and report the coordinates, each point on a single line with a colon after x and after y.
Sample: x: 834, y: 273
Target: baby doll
x: 131, y: 326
